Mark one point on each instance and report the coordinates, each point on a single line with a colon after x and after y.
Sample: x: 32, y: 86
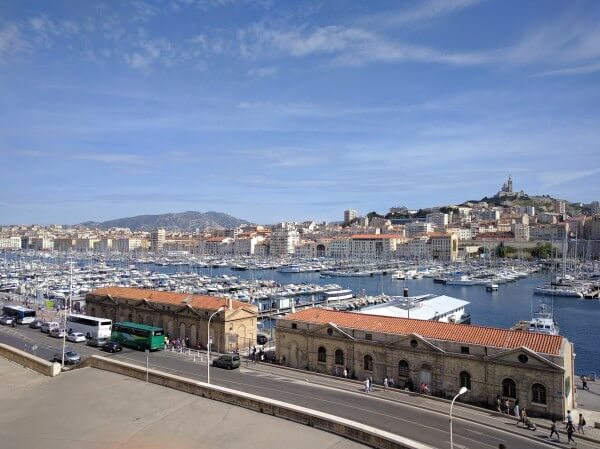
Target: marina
x: 39, y: 277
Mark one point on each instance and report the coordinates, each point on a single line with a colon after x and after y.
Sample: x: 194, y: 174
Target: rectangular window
x: 464, y: 349
x: 294, y: 326
x: 368, y: 336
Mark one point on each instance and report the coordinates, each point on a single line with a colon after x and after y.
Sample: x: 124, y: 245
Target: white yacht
x: 543, y: 322
x: 337, y: 295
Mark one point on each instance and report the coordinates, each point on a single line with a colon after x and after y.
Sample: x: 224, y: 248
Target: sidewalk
x: 461, y: 410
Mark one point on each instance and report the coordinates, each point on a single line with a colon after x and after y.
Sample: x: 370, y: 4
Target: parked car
x: 112, y: 346
x: 46, y: 327
x: 228, y: 361
x: 76, y: 337
x: 36, y: 324
x: 96, y: 342
x: 58, y: 332
x: 71, y: 357
x: 8, y: 320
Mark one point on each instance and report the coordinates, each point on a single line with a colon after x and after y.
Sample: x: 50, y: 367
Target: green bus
x: 138, y: 336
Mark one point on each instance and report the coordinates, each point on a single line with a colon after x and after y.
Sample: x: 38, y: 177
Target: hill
x: 183, y: 221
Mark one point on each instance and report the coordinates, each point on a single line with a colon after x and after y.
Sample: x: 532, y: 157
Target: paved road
x: 413, y: 416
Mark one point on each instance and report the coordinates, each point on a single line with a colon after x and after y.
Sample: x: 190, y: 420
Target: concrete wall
x: 364, y: 434
x: 29, y: 361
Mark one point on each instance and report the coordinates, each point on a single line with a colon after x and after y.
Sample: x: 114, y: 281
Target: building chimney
x: 229, y: 303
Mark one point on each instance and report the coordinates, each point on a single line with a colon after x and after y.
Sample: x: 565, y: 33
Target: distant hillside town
x: 519, y: 223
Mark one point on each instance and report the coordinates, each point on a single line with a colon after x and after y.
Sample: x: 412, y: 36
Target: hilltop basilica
x: 507, y: 191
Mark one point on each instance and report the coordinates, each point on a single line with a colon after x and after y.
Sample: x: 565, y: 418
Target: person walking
x: 367, y: 385
x: 585, y: 385
x: 385, y: 384
x: 553, y: 430
x: 516, y: 409
x: 570, y: 431
x: 507, y: 406
x: 581, y: 424
x: 569, y: 419
x: 371, y: 383
x: 345, y: 373
x: 498, y: 401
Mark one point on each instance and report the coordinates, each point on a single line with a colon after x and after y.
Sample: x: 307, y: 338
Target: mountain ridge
x: 178, y: 221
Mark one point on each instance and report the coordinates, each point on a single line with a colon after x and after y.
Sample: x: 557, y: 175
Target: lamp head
x: 462, y: 390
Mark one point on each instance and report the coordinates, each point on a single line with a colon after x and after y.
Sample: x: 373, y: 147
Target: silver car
x: 71, y: 357
x: 58, y: 332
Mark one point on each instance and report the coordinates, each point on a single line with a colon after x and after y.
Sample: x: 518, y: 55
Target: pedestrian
x: 391, y: 382
x: 498, y: 401
x: 345, y: 373
x: 371, y: 383
x: 553, y: 430
x: 283, y: 360
x: 507, y: 406
x: 585, y: 385
x: 385, y: 384
x: 570, y: 431
x: 367, y: 385
x: 569, y: 419
x: 523, y: 417
x: 336, y: 371
x: 516, y: 409
x: 581, y: 424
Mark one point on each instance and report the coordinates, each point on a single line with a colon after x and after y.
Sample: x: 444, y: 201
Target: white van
x: 46, y: 327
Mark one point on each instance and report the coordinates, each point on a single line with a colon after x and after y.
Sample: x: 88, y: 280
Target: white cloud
x: 263, y: 72
x: 11, y: 42
x: 111, y: 158
x: 576, y: 70
x: 346, y: 46
x: 425, y: 10
x: 151, y: 52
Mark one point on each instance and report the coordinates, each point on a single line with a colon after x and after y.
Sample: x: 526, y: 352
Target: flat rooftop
x: 424, y: 307
x: 97, y: 409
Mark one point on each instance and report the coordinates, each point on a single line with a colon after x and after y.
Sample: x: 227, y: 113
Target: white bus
x: 89, y: 326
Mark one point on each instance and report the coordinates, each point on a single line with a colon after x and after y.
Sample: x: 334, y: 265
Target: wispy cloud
x: 576, y: 70
x: 423, y: 11
x: 111, y: 158
x: 555, y: 178
x: 151, y: 52
x: 263, y: 72
x: 12, y: 42
x: 345, y: 46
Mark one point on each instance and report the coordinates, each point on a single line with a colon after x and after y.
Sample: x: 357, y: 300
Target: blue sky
x: 273, y: 110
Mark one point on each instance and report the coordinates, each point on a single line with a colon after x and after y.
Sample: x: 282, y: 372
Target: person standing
x: 367, y: 385
x: 345, y: 373
x: 570, y: 431
x: 385, y: 384
x: 516, y: 409
x: 498, y: 401
x: 581, y: 424
x: 523, y: 417
x: 370, y: 383
x: 553, y: 430
x: 507, y: 406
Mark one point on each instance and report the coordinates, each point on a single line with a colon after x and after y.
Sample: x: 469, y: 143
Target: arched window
x: 368, y: 365
x: 403, y: 369
x: 322, y: 355
x: 538, y: 394
x: 339, y: 357
x: 509, y: 388
x: 465, y: 379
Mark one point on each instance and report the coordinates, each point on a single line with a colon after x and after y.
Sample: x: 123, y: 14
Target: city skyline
x: 272, y: 112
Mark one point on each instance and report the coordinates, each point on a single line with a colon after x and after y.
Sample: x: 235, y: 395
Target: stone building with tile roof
x: 181, y: 315
x: 536, y: 369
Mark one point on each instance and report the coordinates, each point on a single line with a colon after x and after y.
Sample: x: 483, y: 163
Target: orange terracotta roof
x: 196, y: 301
x: 377, y: 236
x: 477, y: 335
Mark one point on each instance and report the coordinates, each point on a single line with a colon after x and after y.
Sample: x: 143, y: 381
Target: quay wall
x: 349, y: 429
x: 29, y: 361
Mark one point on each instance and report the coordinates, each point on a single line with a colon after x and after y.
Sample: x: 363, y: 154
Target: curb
x: 435, y: 398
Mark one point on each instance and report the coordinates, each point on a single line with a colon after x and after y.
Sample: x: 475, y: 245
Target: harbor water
x: 514, y: 301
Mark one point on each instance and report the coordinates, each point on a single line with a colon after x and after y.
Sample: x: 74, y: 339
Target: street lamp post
x: 462, y: 390
x: 220, y: 309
